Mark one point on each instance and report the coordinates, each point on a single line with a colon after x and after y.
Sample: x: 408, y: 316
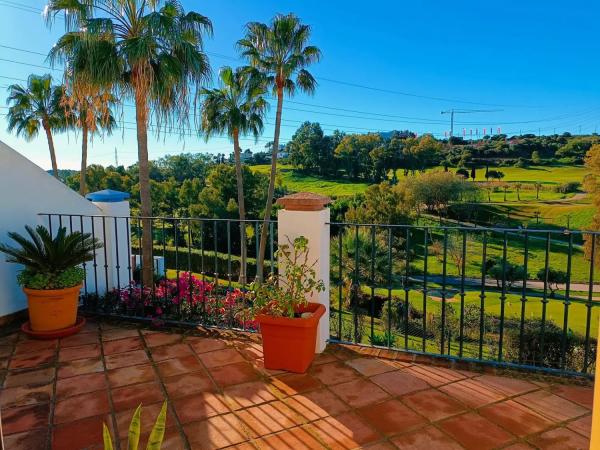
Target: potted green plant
x: 52, y: 275
x: 288, y: 322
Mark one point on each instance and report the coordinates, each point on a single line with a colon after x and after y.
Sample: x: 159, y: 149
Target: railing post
x: 114, y: 231
x: 595, y: 437
x: 305, y: 214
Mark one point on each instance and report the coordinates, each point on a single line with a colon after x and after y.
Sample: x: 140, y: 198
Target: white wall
x: 25, y: 191
x: 313, y: 225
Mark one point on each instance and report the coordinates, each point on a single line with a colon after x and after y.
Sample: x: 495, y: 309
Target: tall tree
x: 148, y: 51
x: 236, y: 108
x: 92, y: 114
x: 278, y: 52
x: 34, y: 107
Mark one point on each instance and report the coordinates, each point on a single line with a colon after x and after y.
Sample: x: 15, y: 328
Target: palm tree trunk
x: 51, y: 148
x: 241, y: 205
x: 141, y: 120
x: 260, y: 259
x: 84, y: 145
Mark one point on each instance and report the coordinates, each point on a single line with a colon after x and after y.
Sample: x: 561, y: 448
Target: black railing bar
x: 479, y: 229
x: 204, y: 219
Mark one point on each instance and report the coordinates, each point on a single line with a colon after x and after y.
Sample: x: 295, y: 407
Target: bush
x: 568, y: 188
x: 553, y: 336
x: 381, y: 340
x: 463, y: 173
x: 506, y: 271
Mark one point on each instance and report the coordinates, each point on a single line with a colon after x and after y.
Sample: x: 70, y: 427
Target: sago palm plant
x: 236, y: 108
x: 280, y: 54
x: 36, y: 107
x: 50, y: 262
x: 148, y: 51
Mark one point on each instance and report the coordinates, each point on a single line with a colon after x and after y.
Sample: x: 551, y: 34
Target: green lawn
x: 548, y: 175
x: 298, y: 182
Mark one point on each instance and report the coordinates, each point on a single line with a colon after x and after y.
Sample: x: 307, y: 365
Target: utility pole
x: 116, y: 158
x: 464, y: 111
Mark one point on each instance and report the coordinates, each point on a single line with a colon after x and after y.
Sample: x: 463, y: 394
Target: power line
x: 407, y: 119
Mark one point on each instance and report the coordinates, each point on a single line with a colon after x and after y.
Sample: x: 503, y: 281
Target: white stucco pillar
x: 304, y: 214
x: 116, y: 226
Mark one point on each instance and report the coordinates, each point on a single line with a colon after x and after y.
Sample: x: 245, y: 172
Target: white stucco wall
x: 313, y: 225
x: 25, y: 191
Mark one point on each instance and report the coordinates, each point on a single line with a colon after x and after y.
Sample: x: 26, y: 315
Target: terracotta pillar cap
x: 304, y: 201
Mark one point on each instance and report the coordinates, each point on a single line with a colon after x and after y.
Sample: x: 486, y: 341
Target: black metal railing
x: 511, y: 297
x: 200, y: 276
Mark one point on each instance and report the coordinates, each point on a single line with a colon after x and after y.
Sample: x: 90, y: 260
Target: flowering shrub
x: 283, y: 295
x: 187, y: 296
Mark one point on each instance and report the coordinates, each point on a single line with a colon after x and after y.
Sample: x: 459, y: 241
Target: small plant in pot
x: 288, y: 322
x: 52, y: 275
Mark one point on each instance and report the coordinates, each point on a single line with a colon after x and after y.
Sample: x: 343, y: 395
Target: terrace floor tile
x: 234, y: 374
x: 560, y: 439
x: 79, y: 352
x: 475, y: 432
x: 347, y: 431
x: 128, y: 344
x: 582, y: 426
x: 220, y: 395
x: 399, y: 382
x: 215, y: 432
x: 80, y: 384
x: 433, y: 404
x: 32, y: 359
x: 170, y: 351
x: 200, y: 406
x: 179, y: 366
x: 34, y: 377
x: 372, y: 366
x: 516, y: 418
x: 317, y: 404
x: 359, y: 393
x: 428, y: 438
x: 26, y: 440
x: 25, y: 418
x: 133, y: 358
x: 188, y: 384
x: 334, y: 373
x: 472, y: 393
x: 221, y: 357
x: 551, y: 406
x: 296, y: 383
x: 80, y: 367
x: 391, y: 417
x: 131, y: 375
x: 582, y: 395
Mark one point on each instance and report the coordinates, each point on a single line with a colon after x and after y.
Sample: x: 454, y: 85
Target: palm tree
x: 148, y: 51
x: 92, y: 113
x: 35, y: 106
x: 236, y: 108
x: 278, y: 52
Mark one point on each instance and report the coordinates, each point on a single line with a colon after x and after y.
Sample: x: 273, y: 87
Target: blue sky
x: 534, y: 63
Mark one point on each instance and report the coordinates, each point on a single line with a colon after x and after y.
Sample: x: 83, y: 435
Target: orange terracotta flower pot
x: 289, y: 344
x: 52, y: 309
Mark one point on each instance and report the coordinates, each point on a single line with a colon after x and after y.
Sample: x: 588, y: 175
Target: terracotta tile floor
x: 56, y: 395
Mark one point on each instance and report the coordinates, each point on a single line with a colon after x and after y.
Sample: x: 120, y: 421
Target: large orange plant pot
x: 289, y: 343
x: 52, y: 309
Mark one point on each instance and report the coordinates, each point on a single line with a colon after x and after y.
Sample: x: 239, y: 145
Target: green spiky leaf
x: 134, y: 429
x: 158, y: 431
